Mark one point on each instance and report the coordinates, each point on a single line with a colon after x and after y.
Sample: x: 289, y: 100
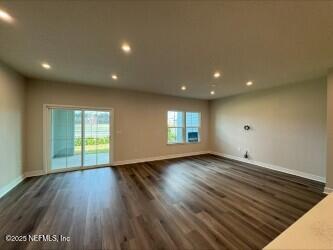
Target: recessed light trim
x: 249, y: 83
x: 114, y: 76
x: 183, y: 88
x: 212, y: 92
x: 126, y: 48
x: 217, y: 74
x: 4, y: 16
x: 46, y: 66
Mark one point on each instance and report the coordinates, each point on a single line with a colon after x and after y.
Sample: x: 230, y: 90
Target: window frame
x: 184, y: 127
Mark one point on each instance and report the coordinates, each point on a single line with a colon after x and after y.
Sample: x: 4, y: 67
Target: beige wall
x: 288, y: 126
x: 140, y: 119
x: 329, y: 165
x: 11, y: 126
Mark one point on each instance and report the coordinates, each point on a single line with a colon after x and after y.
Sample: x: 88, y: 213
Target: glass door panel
x: 103, y: 137
x: 65, y: 125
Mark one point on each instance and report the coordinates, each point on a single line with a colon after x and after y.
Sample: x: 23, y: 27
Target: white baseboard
x: 4, y: 190
x: 34, y: 173
x: 274, y: 167
x: 118, y: 163
x: 328, y: 190
x: 158, y: 158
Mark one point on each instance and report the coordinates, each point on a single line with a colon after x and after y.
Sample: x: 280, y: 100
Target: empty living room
x: 143, y: 125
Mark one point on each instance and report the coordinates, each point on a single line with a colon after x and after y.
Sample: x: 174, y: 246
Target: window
x: 183, y: 127
x: 175, y: 127
x: 192, y: 127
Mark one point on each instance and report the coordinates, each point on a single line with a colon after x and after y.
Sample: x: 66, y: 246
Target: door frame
x: 46, y: 135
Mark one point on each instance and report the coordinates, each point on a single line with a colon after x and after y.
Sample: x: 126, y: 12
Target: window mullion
x: 184, y: 127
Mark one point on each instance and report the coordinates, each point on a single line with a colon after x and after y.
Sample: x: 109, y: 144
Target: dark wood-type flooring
x: 201, y: 202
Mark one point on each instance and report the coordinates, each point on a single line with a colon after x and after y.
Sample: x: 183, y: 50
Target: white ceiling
x: 173, y: 43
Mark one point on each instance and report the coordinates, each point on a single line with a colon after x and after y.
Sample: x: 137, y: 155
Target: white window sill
x: 183, y: 143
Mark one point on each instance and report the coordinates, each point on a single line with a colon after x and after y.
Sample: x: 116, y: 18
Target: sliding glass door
x: 79, y: 138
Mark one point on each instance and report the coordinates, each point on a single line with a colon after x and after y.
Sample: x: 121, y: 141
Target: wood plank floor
x: 201, y: 202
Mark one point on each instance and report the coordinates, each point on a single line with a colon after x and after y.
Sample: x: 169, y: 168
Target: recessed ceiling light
x: 249, y: 83
x: 212, y: 92
x: 5, y: 16
x: 183, y: 87
x: 46, y: 66
x: 114, y: 77
x: 126, y: 48
x: 217, y: 74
